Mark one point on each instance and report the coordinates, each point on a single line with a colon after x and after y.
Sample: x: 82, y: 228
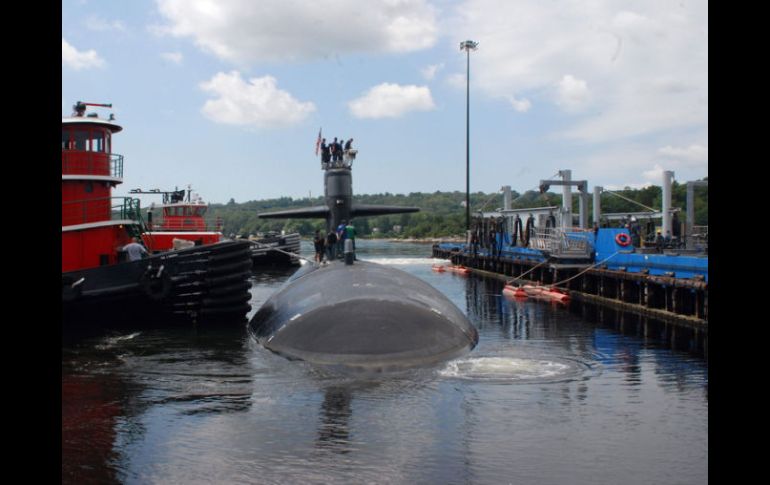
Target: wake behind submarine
x: 357, y: 314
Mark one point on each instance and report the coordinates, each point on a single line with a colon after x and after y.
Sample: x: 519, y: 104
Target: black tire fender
x: 156, y: 287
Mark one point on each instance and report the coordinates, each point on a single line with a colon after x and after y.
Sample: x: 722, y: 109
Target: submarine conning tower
x: 338, y: 189
x: 338, y: 197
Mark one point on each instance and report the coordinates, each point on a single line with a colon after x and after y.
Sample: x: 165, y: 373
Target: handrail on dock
x: 557, y: 240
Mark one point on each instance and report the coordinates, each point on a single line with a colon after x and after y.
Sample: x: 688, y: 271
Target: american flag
x: 318, y: 142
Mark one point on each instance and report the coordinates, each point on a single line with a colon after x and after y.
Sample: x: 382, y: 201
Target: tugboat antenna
x: 80, y: 107
x: 169, y: 196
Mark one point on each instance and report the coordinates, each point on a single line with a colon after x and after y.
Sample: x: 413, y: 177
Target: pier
x: 683, y: 300
x: 612, y: 267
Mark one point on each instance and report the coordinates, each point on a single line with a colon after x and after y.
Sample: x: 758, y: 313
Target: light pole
x: 468, y: 46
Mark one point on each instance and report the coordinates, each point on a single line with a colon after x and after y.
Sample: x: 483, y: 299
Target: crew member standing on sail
x: 338, y: 151
x: 324, y: 154
x: 333, y: 148
x: 346, y: 160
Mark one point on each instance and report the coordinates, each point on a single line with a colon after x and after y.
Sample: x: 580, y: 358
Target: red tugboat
x: 182, y: 222
x: 209, y: 282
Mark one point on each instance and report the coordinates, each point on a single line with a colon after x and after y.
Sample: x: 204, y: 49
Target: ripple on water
x: 517, y: 370
x: 409, y: 261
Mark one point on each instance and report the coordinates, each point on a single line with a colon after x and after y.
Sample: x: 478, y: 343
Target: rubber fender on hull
x: 223, y: 250
x: 71, y: 289
x: 244, y: 308
x: 156, y: 287
x: 239, y: 266
x: 226, y: 300
x: 217, y: 281
x: 242, y: 254
x: 227, y: 290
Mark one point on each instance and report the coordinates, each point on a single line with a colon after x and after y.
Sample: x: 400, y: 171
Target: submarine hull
x: 364, y: 316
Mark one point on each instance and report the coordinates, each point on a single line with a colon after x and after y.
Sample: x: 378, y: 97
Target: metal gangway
x: 558, y: 242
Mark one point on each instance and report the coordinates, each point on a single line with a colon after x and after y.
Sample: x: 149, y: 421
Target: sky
x: 228, y: 96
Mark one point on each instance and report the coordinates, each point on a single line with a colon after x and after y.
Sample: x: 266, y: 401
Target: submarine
x: 356, y: 314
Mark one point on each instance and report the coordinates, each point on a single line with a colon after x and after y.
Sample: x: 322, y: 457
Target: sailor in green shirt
x: 350, y: 233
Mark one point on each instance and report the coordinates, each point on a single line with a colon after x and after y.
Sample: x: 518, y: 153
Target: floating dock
x: 594, y: 266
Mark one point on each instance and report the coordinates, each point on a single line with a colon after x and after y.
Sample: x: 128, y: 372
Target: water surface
x: 552, y: 395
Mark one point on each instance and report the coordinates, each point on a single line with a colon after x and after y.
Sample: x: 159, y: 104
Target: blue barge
x: 598, y: 265
x: 675, y: 263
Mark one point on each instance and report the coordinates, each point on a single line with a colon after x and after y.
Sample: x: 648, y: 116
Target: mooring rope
x: 270, y: 248
x: 629, y: 200
x: 552, y: 285
x: 526, y: 272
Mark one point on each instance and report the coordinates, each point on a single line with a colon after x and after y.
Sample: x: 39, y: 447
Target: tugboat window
x: 65, y: 139
x: 80, y: 139
x: 97, y: 141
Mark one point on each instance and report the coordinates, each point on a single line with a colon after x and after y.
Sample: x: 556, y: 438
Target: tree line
x: 442, y: 214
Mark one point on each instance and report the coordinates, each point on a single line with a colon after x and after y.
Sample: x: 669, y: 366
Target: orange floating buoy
x: 439, y: 268
x: 532, y: 290
x: 557, y: 295
x: 514, y: 291
x: 459, y: 269
x: 554, y: 294
x: 536, y: 291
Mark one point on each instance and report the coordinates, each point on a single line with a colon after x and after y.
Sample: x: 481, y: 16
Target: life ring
x: 623, y: 239
x: 157, y: 287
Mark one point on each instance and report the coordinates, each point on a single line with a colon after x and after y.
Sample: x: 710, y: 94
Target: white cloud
x: 654, y: 175
x: 99, y: 24
x: 457, y: 80
x: 635, y: 186
x: 644, y: 65
x: 694, y: 153
x: 629, y: 164
x: 429, y: 72
x: 257, y: 103
x: 572, y: 92
x: 244, y: 31
x: 77, y: 60
x: 391, y: 101
x: 174, y: 57
x: 520, y: 105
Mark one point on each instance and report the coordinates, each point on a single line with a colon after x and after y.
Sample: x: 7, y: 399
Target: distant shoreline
x: 417, y: 240
x: 424, y: 240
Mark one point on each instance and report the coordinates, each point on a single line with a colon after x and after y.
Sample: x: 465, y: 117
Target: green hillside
x: 442, y: 214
